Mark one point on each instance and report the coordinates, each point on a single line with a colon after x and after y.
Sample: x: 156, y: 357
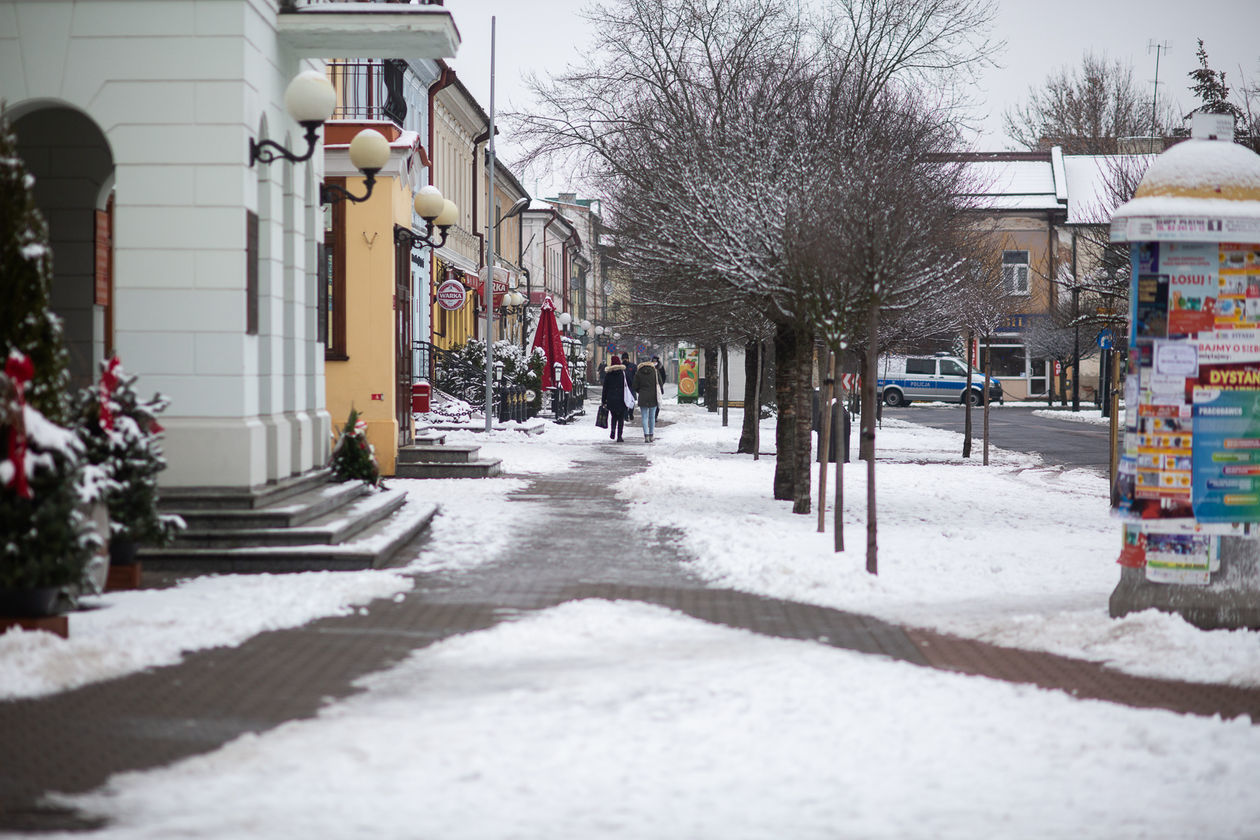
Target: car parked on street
x: 936, y: 377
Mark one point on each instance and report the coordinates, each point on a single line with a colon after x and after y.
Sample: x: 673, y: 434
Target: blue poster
x: 1226, y: 459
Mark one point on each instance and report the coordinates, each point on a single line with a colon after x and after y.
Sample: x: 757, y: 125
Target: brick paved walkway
x: 75, y: 740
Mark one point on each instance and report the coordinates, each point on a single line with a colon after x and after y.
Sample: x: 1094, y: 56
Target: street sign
x: 451, y: 295
x: 1105, y: 339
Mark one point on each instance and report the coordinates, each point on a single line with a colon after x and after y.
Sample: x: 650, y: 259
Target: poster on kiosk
x: 1189, y: 469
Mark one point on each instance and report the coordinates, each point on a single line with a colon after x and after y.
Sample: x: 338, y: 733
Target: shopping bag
x: 601, y: 417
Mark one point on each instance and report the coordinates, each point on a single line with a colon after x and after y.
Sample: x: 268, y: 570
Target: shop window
x: 332, y: 272
x: 1015, y: 272
x: 1007, y: 360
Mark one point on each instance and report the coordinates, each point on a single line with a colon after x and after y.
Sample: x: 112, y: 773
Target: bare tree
x: 1086, y: 109
x: 688, y: 115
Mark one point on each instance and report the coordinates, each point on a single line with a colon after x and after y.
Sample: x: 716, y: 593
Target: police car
x: 936, y: 377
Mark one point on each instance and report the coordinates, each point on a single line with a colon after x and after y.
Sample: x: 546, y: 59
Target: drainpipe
x: 446, y: 77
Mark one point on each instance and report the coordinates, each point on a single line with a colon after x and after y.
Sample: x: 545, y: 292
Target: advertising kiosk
x: 1188, y: 486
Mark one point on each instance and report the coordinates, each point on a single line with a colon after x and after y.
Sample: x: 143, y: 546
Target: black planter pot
x: 29, y: 603
x: 122, y: 552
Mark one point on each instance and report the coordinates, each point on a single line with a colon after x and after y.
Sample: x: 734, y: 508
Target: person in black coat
x: 614, y: 397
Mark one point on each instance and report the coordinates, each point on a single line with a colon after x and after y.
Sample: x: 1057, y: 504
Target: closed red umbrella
x: 548, y: 338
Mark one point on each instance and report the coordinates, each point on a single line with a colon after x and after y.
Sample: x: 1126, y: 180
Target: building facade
x: 459, y: 131
x: 195, y: 263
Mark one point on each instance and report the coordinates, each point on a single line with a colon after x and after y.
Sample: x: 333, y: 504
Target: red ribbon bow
x: 20, y: 371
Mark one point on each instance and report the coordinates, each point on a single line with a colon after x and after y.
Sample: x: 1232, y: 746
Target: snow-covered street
x: 624, y: 719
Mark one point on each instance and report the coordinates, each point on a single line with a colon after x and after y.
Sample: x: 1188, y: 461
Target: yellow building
x: 368, y: 360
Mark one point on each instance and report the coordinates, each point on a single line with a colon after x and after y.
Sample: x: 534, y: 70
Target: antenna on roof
x: 1158, y: 48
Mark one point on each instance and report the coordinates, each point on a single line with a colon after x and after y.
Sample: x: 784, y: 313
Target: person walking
x: 647, y: 384
x: 614, y: 397
x: 630, y: 369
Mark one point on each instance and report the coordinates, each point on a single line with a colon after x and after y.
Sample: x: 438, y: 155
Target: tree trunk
x: 802, y: 500
x: 785, y: 339
x: 726, y: 389
x: 758, y: 379
x: 752, y: 406
x: 988, y: 374
x: 971, y: 361
x: 824, y: 434
x: 839, y: 505
x: 710, y: 379
x: 868, y: 403
x: 869, y: 376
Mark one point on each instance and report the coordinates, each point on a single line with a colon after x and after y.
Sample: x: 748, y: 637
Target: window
x: 1008, y: 360
x: 921, y: 367
x: 333, y: 274
x: 1015, y: 272
x: 252, y: 258
x: 951, y: 368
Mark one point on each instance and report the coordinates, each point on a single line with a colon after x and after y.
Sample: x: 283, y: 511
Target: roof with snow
x: 1091, y: 184
x: 1211, y: 169
x: 1199, y: 190
x: 1014, y: 184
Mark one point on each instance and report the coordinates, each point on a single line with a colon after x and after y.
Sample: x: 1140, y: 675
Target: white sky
x: 544, y: 36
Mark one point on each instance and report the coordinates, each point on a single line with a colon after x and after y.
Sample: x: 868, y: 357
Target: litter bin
x: 420, y: 392
x: 840, y: 426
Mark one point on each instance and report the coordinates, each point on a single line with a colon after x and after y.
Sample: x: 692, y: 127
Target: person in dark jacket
x: 614, y: 397
x: 647, y: 386
x: 631, y: 367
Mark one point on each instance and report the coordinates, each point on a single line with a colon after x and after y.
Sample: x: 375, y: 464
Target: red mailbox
x: 420, y: 392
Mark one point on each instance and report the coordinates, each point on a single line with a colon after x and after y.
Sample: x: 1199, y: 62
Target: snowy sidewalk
x: 575, y: 543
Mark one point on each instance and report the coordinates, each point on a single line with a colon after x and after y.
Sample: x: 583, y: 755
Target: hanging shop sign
x: 688, y: 375
x: 452, y: 295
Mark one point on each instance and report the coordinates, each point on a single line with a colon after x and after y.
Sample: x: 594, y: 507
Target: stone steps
x: 287, y: 512
x: 335, y: 526
x: 376, y: 547
x: 456, y: 460
x: 305, y: 523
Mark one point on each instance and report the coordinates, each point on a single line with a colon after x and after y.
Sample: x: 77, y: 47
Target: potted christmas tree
x: 46, y: 539
x: 120, y: 432
x: 353, y: 458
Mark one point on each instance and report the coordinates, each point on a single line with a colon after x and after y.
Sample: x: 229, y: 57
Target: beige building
x: 459, y: 130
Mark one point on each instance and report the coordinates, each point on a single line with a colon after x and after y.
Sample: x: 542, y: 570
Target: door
x: 953, y: 378
x: 920, y: 379
x: 402, y: 342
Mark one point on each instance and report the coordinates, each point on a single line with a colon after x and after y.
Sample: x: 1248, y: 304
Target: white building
x: 197, y: 266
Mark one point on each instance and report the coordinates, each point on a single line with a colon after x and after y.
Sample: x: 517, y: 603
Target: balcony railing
x: 371, y: 89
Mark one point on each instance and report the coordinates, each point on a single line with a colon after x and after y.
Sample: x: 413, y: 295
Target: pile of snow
x: 1092, y: 416
x: 124, y: 632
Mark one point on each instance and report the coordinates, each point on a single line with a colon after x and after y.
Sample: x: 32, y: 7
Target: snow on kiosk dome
x: 1199, y: 190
